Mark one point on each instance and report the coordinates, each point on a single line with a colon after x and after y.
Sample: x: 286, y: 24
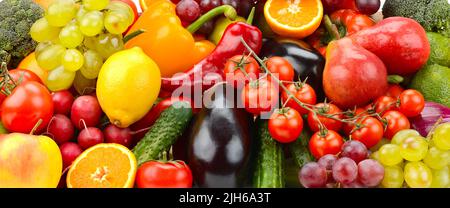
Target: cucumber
x: 164, y: 133
x: 269, y: 170
x: 299, y: 149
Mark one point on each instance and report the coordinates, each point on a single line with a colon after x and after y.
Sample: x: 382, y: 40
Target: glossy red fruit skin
x: 60, y: 129
x: 89, y: 137
x: 85, y: 108
x: 62, y: 102
x: 114, y: 134
x: 155, y: 174
x: 69, y: 152
x: 401, y: 43
x: 353, y: 76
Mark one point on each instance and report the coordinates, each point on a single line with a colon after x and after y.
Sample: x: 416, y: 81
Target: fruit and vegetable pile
x: 225, y: 93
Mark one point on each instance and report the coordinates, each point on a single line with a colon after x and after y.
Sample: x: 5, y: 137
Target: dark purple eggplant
x: 219, y: 147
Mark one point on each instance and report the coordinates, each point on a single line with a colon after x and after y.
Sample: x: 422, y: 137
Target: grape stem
x: 227, y: 10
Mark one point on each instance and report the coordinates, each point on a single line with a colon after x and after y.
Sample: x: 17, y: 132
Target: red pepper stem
x: 251, y: 16
x: 395, y: 79
x: 227, y: 10
x: 331, y: 28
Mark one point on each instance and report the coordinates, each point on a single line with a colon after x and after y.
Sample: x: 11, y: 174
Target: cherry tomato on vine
x: 369, y: 132
x: 303, y: 92
x: 328, y: 143
x: 25, y: 106
x: 285, y: 125
x: 259, y: 96
x: 384, y: 104
x: 281, y: 68
x: 235, y: 66
x: 156, y: 174
x: 412, y: 103
x: 396, y: 122
x: 329, y: 123
x: 394, y: 91
x: 359, y: 113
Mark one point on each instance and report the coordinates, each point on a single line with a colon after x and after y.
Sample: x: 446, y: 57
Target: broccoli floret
x: 433, y: 15
x: 16, y: 18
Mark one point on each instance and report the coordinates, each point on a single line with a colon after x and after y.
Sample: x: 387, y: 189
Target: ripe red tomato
x: 329, y: 123
x: 384, y: 104
x: 303, y: 92
x: 330, y: 143
x: 412, y: 103
x: 394, y: 91
x: 348, y: 127
x: 369, y: 132
x: 259, y: 96
x: 285, y: 125
x: 359, y: 22
x: 396, y: 122
x: 23, y: 75
x: 25, y: 106
x: 234, y: 70
x: 281, y: 68
x: 155, y: 174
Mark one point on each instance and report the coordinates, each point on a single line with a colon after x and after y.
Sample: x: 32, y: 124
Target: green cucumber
x: 269, y: 170
x: 164, y: 133
x: 299, y: 149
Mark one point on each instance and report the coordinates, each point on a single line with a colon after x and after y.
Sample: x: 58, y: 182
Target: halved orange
x: 103, y: 166
x: 294, y: 18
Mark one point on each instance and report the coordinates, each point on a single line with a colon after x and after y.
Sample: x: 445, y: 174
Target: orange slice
x: 293, y: 18
x: 145, y: 4
x: 103, y: 166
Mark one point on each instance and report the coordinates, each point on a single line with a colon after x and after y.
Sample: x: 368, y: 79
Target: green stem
x: 227, y: 10
x: 133, y: 35
x: 251, y: 16
x: 331, y: 28
x: 395, y: 79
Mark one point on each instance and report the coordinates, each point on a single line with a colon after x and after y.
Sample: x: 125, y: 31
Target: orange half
x: 294, y: 18
x: 145, y: 4
x: 103, y: 166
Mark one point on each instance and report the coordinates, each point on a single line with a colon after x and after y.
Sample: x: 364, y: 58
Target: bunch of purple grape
x: 191, y: 10
x: 351, y: 169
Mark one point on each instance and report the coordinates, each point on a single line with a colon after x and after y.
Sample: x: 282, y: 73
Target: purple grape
x: 370, y: 172
x: 354, y: 150
x: 368, y: 7
x: 233, y: 3
x: 188, y: 10
x: 312, y: 175
x: 354, y: 184
x: 345, y: 170
x: 207, y: 28
x: 327, y: 161
x: 207, y: 5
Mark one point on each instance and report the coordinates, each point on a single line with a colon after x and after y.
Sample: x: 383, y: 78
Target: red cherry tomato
x: 329, y: 123
x: 303, y: 92
x: 281, y: 68
x: 384, y: 104
x: 369, y: 132
x: 25, y: 106
x: 348, y: 127
x: 285, y: 125
x: 234, y: 70
x: 330, y: 143
x: 259, y: 96
x: 412, y: 103
x: 23, y: 75
x: 155, y: 174
x: 394, y: 91
x: 359, y: 22
x: 396, y: 122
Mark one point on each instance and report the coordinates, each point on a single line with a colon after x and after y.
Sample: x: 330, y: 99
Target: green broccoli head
x: 16, y: 18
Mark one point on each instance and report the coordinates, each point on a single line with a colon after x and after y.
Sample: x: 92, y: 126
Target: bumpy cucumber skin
x: 269, y: 170
x: 164, y: 133
x: 299, y: 149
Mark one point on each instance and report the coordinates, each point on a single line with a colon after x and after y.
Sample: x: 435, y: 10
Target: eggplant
x: 307, y: 61
x: 220, y: 144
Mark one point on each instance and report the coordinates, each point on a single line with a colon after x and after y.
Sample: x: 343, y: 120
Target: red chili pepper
x: 210, y: 70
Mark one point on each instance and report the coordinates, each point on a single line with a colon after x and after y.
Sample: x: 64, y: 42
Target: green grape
x: 116, y: 22
x: 90, y: 43
x: 91, y: 24
x: 81, y: 12
x: 71, y: 36
x: 83, y: 85
x: 441, y: 178
x: 436, y: 158
x: 441, y: 136
x: 72, y: 60
x: 92, y: 64
x: 108, y: 44
x: 382, y: 142
x: 418, y: 175
x: 60, y: 13
x: 41, y: 47
x: 41, y: 31
x: 375, y: 155
x: 414, y: 148
x: 60, y: 79
x: 390, y: 154
x: 393, y: 177
x: 95, y: 4
x: 51, y: 57
x: 402, y: 135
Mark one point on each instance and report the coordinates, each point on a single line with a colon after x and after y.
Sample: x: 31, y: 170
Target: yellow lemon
x: 127, y: 86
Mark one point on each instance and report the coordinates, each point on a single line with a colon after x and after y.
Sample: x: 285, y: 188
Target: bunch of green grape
x: 418, y: 161
x: 77, y: 37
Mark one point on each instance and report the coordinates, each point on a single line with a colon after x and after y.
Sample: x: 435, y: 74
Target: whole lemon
x: 127, y: 86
